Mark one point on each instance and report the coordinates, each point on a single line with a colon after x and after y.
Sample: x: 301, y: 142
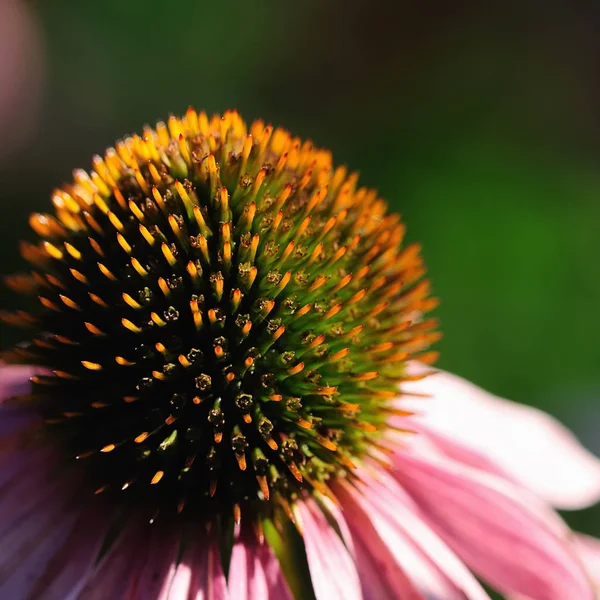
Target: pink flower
x: 468, y: 495
x: 227, y: 400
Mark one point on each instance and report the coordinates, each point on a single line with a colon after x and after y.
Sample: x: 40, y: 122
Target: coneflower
x: 231, y: 339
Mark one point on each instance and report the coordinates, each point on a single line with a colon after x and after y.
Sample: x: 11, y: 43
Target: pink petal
x: 14, y: 380
x: 389, y: 522
x: 45, y: 534
x: 380, y: 578
x: 32, y: 488
x: 144, y: 563
x: 48, y: 541
x: 381, y: 575
x: 72, y: 561
x: 180, y: 584
x: 254, y: 572
x: 332, y: 569
x: 588, y: 549
x: 13, y: 421
x: 118, y: 568
x: 30, y: 544
x: 154, y: 578
x: 497, y: 529
x: 526, y: 443
x: 208, y: 580
x: 17, y: 463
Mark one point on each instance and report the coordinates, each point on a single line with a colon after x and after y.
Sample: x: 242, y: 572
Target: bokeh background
x: 479, y: 122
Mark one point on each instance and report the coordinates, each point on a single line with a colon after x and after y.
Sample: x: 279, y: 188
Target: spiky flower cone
x: 225, y: 317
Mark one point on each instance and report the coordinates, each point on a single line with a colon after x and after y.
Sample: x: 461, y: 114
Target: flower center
x: 225, y: 315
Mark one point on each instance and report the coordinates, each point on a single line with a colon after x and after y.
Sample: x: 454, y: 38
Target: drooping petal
x: 381, y: 575
x: 588, y: 550
x: 526, y: 443
x: 30, y: 542
x: 380, y: 579
x: 208, y: 580
x: 56, y: 545
x: 14, y: 380
x: 499, y: 530
x: 332, y: 569
x: 254, y: 572
x: 119, y: 566
x: 48, y: 538
x: 388, y: 522
x: 155, y: 576
x: 74, y: 549
x: 277, y: 585
x: 145, y: 563
x: 180, y: 583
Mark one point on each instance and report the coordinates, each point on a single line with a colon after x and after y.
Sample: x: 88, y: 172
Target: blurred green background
x: 479, y: 122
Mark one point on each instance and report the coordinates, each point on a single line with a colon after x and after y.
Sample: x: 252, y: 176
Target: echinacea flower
x: 226, y: 395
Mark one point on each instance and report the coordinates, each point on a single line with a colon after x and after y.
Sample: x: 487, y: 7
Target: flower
x: 227, y: 375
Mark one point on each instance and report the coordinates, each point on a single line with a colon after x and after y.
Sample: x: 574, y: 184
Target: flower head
x: 226, y: 320
x: 224, y: 315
